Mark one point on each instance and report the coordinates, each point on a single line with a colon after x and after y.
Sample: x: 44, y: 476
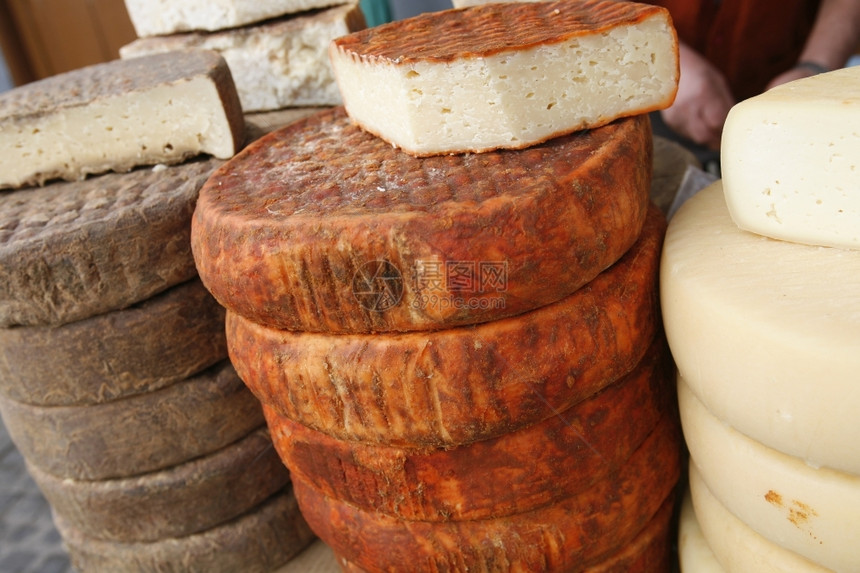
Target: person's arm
x: 833, y: 40
x: 703, y: 101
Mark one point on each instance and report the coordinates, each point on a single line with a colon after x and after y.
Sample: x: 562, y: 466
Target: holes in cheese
x: 809, y: 511
x: 791, y: 161
x: 765, y: 332
x: 506, y: 75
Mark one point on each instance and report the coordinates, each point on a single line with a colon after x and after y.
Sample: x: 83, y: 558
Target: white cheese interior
x: 812, y: 512
x: 766, y: 332
x: 511, y: 99
x: 731, y: 542
x: 160, y: 125
x: 161, y: 17
x: 791, y: 161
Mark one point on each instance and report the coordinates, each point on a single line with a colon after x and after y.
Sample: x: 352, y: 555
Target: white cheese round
x: 812, y: 512
x: 766, y: 332
x: 694, y: 553
x: 732, y: 543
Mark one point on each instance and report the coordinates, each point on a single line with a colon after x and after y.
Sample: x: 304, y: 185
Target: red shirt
x: 750, y: 41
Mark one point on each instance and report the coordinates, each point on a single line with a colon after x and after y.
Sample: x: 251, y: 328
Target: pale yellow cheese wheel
x: 813, y: 512
x: 766, y: 332
x: 694, y: 553
x: 733, y: 544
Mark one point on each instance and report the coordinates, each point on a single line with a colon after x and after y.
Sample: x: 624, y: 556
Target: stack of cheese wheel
x: 460, y: 354
x: 276, y: 50
x: 114, y: 378
x: 761, y: 300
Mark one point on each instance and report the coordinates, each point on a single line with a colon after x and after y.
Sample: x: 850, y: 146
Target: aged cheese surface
x: 732, y: 542
x: 275, y: 64
x: 790, y: 160
x: 506, y: 75
x: 766, y: 332
x: 73, y: 250
x: 574, y: 533
x: 458, y: 385
x: 162, y: 17
x: 117, y: 115
x: 809, y: 511
x: 520, y: 470
x: 323, y: 227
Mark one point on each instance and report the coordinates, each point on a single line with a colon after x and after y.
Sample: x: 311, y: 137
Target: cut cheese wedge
x: 694, y: 553
x: 506, y: 75
x: 812, y: 512
x: 117, y: 115
x: 766, y: 332
x: 734, y: 544
x: 275, y: 64
x: 791, y: 158
x: 162, y: 17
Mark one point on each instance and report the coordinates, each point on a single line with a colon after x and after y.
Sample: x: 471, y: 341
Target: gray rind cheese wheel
x: 137, y: 435
x: 259, y: 541
x: 571, y: 534
x: 176, y: 502
x: 70, y: 251
x: 459, y: 385
x: 516, y: 472
x: 165, y: 339
x: 322, y: 227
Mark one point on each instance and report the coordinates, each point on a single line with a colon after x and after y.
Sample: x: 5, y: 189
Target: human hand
x: 702, y: 103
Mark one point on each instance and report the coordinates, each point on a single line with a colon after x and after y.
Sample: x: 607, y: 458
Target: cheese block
x: 572, y: 534
x: 737, y: 546
x: 163, y: 17
x: 168, y: 338
x: 275, y: 64
x: 70, y: 251
x: 508, y: 75
x: 788, y: 161
x: 809, y: 511
x: 694, y: 553
x: 520, y: 471
x: 765, y: 332
x: 459, y: 385
x: 116, y: 115
x: 182, y: 500
x: 258, y: 541
x: 358, y: 237
x: 136, y: 435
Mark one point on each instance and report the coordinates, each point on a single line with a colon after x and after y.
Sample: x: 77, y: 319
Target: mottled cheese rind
x: 765, y: 332
x: 506, y: 76
x: 730, y: 541
x: 812, y: 512
x: 791, y: 161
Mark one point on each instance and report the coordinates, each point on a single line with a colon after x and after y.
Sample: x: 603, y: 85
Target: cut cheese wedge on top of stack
x: 791, y: 158
x: 765, y: 332
x: 118, y: 115
x: 506, y: 75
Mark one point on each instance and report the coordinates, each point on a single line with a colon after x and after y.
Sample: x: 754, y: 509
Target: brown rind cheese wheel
x: 163, y: 340
x: 459, y: 385
x: 137, y: 435
x: 70, y: 251
x: 516, y: 472
x: 571, y: 534
x: 322, y: 227
x: 258, y: 541
x: 176, y: 502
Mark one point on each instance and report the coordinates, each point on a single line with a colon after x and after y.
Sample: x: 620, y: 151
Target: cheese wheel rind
x: 788, y: 161
x: 805, y: 510
x: 459, y: 385
x: 358, y: 237
x: 765, y: 332
x: 736, y: 545
x: 694, y: 553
